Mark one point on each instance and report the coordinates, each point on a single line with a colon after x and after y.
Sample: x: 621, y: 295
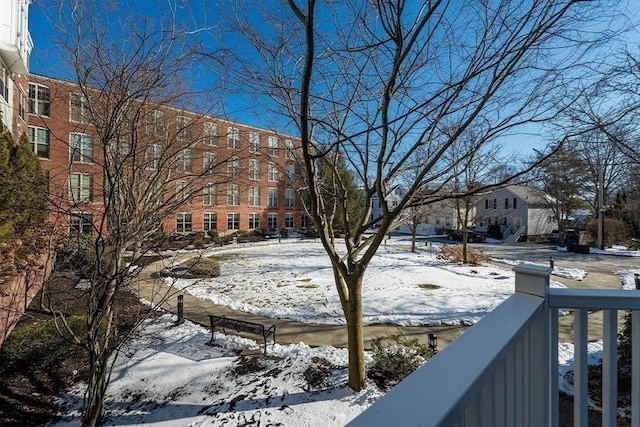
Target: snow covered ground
x: 167, y: 377
x: 293, y: 281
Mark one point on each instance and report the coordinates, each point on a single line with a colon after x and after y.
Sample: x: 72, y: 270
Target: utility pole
x: 600, y: 205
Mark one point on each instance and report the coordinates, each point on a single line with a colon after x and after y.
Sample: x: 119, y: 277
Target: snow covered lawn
x: 294, y: 281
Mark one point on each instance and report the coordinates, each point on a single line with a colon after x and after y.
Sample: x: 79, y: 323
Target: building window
x: 183, y: 192
x: 233, y: 221
x: 506, y: 203
x: 233, y: 195
x: 273, y: 198
x: 209, y: 161
x: 183, y: 223
x: 486, y: 203
x: 119, y: 150
x: 155, y: 123
x: 184, y: 161
x: 152, y: 156
x: 209, y: 221
x: 273, y: 145
x: 289, y: 197
x: 272, y: 221
x: 254, y: 170
x: 39, y: 138
x: 233, y: 167
x: 78, y: 108
x: 233, y: 138
x: 39, y: 100
x: 495, y: 203
x: 210, y: 134
x: 290, y: 172
x: 515, y: 204
x: 80, y: 187
x: 273, y: 172
x: 184, y: 129
x: 254, y: 196
x: 4, y: 83
x: 305, y: 221
x: 81, y: 147
x: 288, y: 220
x: 290, y: 149
x: 210, y: 195
x: 254, y: 142
x: 81, y: 223
x: 254, y: 221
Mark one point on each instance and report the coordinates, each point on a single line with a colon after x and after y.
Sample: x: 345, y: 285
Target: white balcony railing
x: 504, y: 370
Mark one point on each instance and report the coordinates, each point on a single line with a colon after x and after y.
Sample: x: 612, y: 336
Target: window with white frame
x: 233, y: 167
x: 305, y: 221
x: 80, y: 187
x: 254, y: 221
x: 290, y: 172
x: 184, y: 128
x: 254, y: 196
x: 81, y: 223
x: 272, y: 221
x: 184, y: 160
x: 273, y: 172
x: 81, y: 148
x: 254, y: 142
x: 273, y: 145
x: 209, y: 195
x: 233, y: 195
x: 254, y: 170
x: 209, y: 161
x: 152, y: 156
x: 184, y: 223
x: 155, y: 123
x: 233, y: 221
x: 39, y: 138
x: 183, y: 192
x: 78, y: 108
x: 39, y: 99
x: 288, y: 220
x: 290, y: 149
x: 233, y: 138
x: 210, y: 134
x: 273, y: 198
x: 119, y: 150
x: 289, y: 198
x: 209, y: 221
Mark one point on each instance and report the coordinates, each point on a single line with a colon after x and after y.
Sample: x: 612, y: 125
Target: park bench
x: 242, y: 326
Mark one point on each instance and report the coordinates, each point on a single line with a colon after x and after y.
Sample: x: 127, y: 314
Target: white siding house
x: 519, y: 210
x: 15, y: 49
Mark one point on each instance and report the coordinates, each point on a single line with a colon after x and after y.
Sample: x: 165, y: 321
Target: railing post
x: 542, y: 376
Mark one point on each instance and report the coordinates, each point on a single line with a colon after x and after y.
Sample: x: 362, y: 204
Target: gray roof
x: 533, y: 196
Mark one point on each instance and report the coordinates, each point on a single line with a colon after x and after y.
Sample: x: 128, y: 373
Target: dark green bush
x: 76, y: 253
x: 194, y: 268
x: 395, y: 357
x: 284, y: 233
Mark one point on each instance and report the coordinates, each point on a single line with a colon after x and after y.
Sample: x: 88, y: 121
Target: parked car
x: 555, y: 236
x: 472, y: 236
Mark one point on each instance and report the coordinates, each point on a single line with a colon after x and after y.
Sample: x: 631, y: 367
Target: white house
x: 519, y: 210
x: 15, y: 49
x: 434, y: 217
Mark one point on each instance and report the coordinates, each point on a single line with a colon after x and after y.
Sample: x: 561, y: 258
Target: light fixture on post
x: 433, y: 343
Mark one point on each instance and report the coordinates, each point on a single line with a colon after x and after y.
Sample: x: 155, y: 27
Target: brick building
x: 236, y: 177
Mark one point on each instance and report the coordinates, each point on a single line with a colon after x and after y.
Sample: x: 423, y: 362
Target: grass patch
x: 223, y: 256
x: 309, y: 286
x: 306, y: 279
x: 429, y: 286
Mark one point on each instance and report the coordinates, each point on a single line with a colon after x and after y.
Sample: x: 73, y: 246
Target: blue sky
x: 46, y: 60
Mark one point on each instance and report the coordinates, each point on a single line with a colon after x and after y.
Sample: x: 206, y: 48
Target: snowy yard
x: 167, y: 377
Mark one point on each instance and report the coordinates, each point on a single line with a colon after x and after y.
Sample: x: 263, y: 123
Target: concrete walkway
x: 152, y: 289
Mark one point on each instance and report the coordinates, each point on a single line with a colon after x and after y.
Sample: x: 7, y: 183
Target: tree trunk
x: 355, y: 335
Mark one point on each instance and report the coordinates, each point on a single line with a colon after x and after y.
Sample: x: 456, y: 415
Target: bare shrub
x: 453, y: 253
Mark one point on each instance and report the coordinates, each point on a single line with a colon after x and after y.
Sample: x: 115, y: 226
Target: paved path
x: 196, y: 310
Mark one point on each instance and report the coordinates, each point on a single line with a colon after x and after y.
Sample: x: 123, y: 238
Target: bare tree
x: 131, y: 94
x: 377, y: 81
